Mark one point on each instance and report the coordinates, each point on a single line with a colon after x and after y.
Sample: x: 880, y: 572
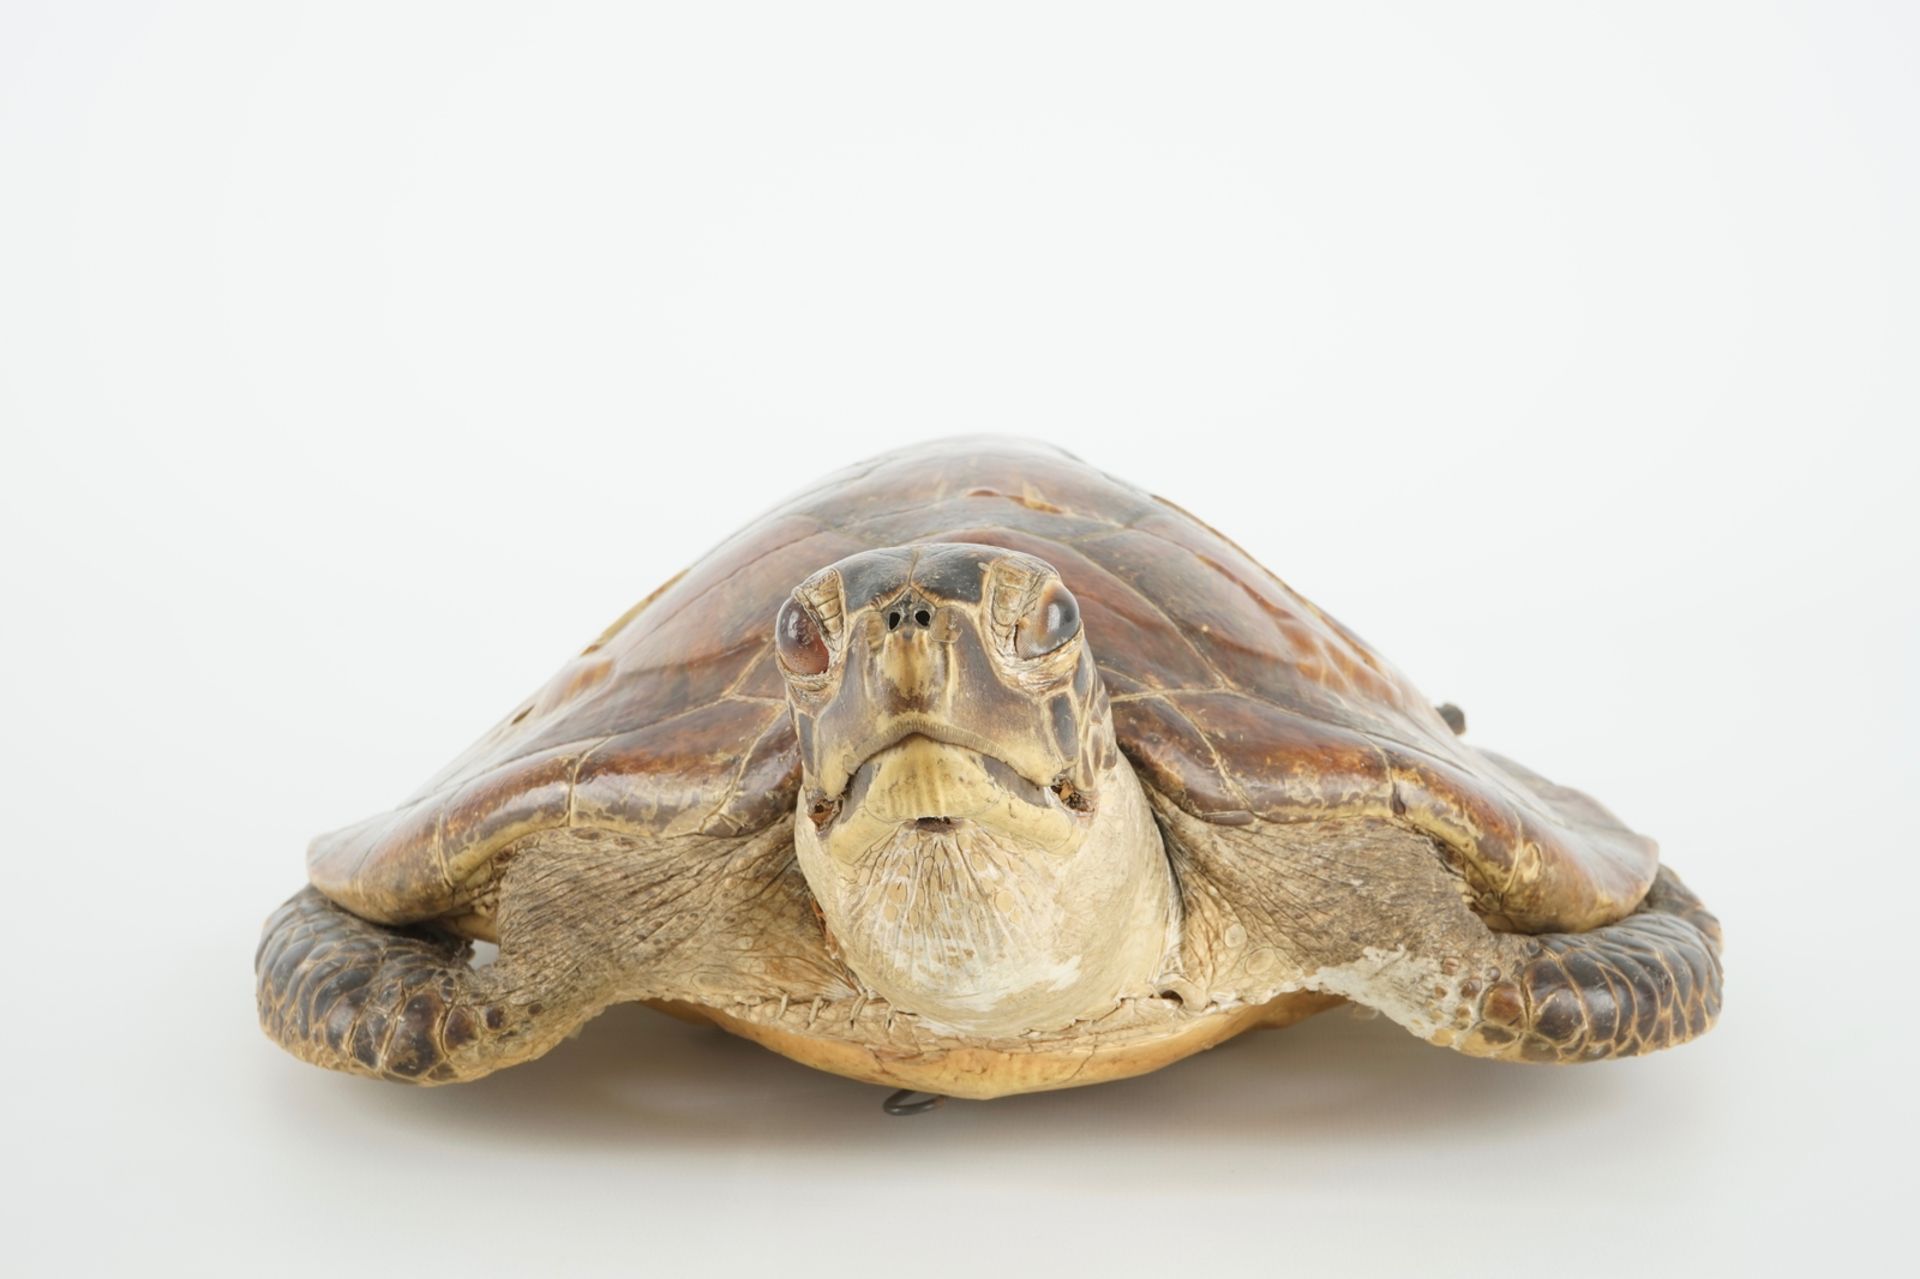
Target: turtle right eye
x: 797, y: 638
x: 1053, y: 620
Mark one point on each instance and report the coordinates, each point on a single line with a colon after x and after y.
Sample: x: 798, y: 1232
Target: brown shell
x: 1233, y: 696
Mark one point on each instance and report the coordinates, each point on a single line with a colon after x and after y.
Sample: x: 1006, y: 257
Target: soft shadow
x: 635, y: 1078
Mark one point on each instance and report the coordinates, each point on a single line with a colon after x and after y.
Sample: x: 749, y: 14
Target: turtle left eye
x: 797, y: 638
x: 1053, y: 620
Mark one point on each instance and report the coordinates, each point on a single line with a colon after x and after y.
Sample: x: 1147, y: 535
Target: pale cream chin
x: 977, y: 929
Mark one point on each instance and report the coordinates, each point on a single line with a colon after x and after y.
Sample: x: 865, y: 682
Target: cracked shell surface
x: 1234, y: 697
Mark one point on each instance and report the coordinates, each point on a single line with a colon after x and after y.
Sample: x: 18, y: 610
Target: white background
x: 359, y: 362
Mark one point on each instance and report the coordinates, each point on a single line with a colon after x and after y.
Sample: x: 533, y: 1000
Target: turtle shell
x: 1234, y: 698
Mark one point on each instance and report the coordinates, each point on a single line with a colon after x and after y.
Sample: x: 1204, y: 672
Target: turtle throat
x: 983, y: 903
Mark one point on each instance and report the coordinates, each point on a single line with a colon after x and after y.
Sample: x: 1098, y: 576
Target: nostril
x: 923, y: 617
x: 893, y: 620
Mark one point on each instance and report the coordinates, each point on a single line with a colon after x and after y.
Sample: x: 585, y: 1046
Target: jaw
x: 984, y: 907
x: 930, y: 789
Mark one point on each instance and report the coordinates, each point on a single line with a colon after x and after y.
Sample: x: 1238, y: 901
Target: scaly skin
x: 361, y: 997
x: 341, y: 992
x: 627, y: 832
x: 1648, y: 982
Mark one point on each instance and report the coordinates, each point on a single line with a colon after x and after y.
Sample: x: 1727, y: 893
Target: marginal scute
x: 767, y: 785
x: 491, y: 812
x: 1288, y: 766
x: 673, y: 777
x: 1173, y: 758
x: 419, y: 862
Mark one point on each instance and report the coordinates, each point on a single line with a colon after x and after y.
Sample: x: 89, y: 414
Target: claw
x: 903, y: 1103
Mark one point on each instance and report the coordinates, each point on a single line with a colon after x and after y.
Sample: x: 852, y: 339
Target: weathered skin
x: 985, y: 858
x: 1213, y: 808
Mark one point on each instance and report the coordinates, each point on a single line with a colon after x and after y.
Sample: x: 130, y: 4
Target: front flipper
x: 1642, y: 983
x: 1372, y: 912
x: 1646, y: 982
x: 348, y: 994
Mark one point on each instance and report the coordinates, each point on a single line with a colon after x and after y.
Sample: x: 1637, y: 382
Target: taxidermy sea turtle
x: 975, y: 771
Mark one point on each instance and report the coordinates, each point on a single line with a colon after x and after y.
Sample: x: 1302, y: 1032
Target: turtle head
x: 964, y: 811
x: 940, y: 685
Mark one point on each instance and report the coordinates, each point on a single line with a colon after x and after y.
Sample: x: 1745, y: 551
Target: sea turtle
x: 975, y: 771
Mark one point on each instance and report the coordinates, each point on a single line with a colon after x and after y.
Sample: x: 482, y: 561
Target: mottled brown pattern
x: 342, y: 992
x: 1172, y: 610
x: 1261, y: 725
x: 1646, y: 982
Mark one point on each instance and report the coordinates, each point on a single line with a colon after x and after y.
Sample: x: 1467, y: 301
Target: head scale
x: 965, y: 816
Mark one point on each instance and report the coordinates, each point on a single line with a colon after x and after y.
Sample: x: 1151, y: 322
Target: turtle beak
x: 936, y: 786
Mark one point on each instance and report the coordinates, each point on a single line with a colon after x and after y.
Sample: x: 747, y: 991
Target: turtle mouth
x: 936, y: 785
x: 907, y: 727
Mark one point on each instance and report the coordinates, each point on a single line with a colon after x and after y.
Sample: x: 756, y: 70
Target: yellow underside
x: 981, y: 1073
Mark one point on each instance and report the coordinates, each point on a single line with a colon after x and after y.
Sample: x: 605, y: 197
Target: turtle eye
x: 1052, y: 621
x: 797, y: 638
